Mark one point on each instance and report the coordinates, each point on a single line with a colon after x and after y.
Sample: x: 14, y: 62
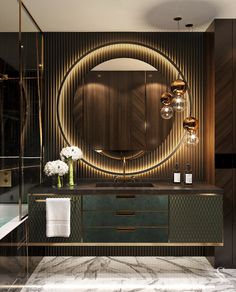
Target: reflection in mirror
x: 117, y: 108
x: 9, y: 111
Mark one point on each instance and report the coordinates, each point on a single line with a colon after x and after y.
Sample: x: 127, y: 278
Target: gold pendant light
x: 178, y: 86
x: 191, y: 125
x: 175, y: 101
x: 167, y: 111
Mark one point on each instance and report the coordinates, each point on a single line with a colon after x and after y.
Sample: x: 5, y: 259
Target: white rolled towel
x: 58, y: 217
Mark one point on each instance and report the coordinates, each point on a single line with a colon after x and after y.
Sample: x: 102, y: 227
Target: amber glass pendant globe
x: 166, y: 98
x: 167, y: 112
x: 190, y: 124
x: 179, y: 87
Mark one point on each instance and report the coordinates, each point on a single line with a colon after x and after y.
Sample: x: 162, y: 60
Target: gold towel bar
x: 44, y: 200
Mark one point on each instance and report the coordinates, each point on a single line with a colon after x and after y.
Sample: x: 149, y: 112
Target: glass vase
x: 71, y: 173
x: 59, y: 181
x: 54, y: 181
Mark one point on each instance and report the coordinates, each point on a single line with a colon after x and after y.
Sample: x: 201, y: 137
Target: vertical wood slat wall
x: 62, y: 50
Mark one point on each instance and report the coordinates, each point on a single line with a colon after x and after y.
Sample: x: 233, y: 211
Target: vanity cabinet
x: 125, y: 218
x: 161, y: 216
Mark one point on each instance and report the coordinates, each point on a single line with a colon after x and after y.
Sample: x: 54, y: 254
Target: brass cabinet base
x: 116, y: 244
x: 128, y: 244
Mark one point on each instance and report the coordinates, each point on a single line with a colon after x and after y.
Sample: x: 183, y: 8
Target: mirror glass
x: 9, y: 111
x: 117, y: 108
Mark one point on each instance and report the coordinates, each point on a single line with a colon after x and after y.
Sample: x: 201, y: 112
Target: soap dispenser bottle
x: 188, y: 176
x: 176, y: 174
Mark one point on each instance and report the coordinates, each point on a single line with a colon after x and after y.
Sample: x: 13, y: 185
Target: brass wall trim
x: 70, y: 244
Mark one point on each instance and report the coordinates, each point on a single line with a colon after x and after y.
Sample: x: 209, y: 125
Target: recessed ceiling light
x: 177, y: 18
x: 189, y: 25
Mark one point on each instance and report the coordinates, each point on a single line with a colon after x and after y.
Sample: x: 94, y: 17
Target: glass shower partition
x: 21, y: 69
x: 31, y: 73
x: 9, y: 113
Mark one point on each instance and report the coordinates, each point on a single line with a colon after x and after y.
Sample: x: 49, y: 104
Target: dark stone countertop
x: 159, y: 187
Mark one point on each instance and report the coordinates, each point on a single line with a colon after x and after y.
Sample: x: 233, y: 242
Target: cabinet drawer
x: 125, y: 234
x: 118, y: 202
x: 37, y: 219
x: 125, y: 218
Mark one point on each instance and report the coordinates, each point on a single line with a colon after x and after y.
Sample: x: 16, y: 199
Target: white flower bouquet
x: 70, y: 154
x: 56, y: 167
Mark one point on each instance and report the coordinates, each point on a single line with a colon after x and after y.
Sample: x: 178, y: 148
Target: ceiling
x: 118, y: 15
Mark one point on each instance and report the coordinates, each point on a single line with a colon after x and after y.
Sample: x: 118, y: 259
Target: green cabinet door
x: 124, y: 202
x: 122, y: 234
x: 196, y: 218
x: 37, y: 219
x: 125, y: 218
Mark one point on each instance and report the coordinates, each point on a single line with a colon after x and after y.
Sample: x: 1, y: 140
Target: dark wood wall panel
x: 224, y: 179
x: 114, y: 110
x: 234, y: 215
x: 120, y: 110
x: 209, y: 106
x: 234, y: 143
x: 62, y: 50
x: 224, y: 86
x: 221, y: 74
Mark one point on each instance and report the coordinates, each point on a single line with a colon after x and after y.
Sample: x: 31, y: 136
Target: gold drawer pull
x: 125, y: 196
x: 125, y: 213
x: 125, y: 229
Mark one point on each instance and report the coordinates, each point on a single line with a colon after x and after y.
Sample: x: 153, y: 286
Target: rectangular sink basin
x: 123, y: 185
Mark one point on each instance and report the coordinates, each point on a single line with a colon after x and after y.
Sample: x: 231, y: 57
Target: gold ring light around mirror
x: 99, y: 55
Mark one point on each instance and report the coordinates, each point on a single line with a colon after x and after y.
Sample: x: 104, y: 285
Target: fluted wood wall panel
x: 62, y: 50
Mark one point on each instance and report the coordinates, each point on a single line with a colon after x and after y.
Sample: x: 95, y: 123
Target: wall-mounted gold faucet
x: 116, y: 178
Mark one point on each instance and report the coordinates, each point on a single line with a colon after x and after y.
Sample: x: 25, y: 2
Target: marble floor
x: 15, y: 271
x: 123, y: 274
